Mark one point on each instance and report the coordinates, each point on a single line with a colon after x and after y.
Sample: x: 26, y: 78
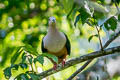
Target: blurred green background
x: 26, y: 22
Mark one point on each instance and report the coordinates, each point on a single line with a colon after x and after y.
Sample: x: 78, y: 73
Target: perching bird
x: 56, y: 43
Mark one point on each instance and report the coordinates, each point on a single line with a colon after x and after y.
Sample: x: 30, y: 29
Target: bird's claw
x: 63, y: 63
x: 55, y: 66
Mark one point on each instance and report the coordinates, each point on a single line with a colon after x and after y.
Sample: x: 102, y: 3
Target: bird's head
x: 52, y: 21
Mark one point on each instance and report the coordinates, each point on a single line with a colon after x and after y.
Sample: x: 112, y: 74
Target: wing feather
x: 42, y: 47
x: 68, y: 45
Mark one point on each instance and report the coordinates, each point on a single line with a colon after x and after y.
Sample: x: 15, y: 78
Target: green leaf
x: 106, y: 26
x: 96, y: 35
x: 84, y: 14
x: 77, y: 19
x: 7, y: 72
x: 23, y: 57
x: 6, y: 54
x: 73, y: 13
x: 16, y: 55
x: 22, y: 76
x: 67, y: 5
x: 30, y: 49
x: 111, y: 23
x: 33, y: 76
x: 40, y: 59
x: 23, y: 65
x: 53, y: 57
x: 99, y: 10
x: 119, y: 17
x: 30, y: 59
x: 90, y: 38
x: 15, y: 66
x: 58, y: 1
x: 90, y: 22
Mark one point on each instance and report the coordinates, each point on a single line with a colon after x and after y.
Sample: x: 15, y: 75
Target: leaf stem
x: 98, y: 30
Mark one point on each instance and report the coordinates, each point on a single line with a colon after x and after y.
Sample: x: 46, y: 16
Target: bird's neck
x: 52, y: 29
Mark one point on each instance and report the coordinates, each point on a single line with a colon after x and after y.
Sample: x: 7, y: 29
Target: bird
x: 56, y: 43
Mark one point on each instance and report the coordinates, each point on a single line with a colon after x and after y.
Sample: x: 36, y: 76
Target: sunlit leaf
x: 30, y: 49
x: 8, y: 51
x: 90, y: 38
x: 77, y: 19
x: 16, y: 55
x: 67, y: 5
x: 53, y: 57
x: 90, y: 22
x: 40, y: 59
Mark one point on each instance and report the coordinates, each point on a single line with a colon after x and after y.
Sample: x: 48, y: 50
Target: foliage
x: 24, y: 23
x: 26, y: 52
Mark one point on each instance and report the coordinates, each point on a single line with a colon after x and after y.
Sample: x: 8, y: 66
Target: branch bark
x: 79, y: 60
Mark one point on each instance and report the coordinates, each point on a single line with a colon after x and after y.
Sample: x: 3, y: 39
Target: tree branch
x: 84, y: 66
x: 79, y: 60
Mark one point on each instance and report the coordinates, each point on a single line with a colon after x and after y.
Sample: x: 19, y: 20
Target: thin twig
x: 79, y: 70
x: 98, y: 31
x: 99, y: 37
x: 105, y: 67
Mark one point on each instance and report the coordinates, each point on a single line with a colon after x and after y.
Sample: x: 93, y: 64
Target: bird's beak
x: 53, y: 21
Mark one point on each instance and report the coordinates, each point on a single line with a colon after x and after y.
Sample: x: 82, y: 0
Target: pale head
x: 52, y: 21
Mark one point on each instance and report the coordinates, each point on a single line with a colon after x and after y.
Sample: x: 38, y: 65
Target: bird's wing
x: 67, y: 45
x: 42, y: 47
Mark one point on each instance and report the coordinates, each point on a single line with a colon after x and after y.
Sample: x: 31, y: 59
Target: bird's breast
x: 54, y: 42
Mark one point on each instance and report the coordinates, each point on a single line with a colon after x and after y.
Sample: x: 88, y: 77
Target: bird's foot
x: 55, y: 66
x: 63, y: 62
